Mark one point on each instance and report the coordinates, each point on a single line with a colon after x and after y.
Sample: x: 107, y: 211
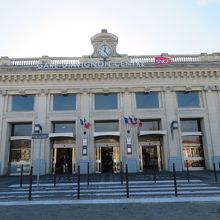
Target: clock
x: 105, y: 51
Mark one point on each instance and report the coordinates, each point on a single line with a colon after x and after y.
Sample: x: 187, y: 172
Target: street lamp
x: 174, y: 125
x: 38, y: 130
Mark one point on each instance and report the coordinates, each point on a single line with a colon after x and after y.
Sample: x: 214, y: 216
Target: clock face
x: 105, y: 51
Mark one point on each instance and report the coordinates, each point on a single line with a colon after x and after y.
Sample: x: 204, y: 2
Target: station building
x: 109, y: 109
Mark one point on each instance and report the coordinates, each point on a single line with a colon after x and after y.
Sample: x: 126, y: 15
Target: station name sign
x: 40, y: 136
x: 159, y: 60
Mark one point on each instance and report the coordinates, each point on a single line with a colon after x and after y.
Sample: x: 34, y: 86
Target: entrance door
x: 98, y: 160
x: 116, y: 159
x: 107, y: 159
x: 149, y: 156
x: 64, y: 159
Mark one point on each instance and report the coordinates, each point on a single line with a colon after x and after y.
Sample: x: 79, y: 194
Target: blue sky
x: 32, y: 28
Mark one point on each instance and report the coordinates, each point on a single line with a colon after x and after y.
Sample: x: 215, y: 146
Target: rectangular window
x: 22, y: 129
x: 106, y: 126
x: 190, y: 125
x: 20, y: 151
x: 64, y: 102
x: 147, y: 100
x: 148, y: 125
x: 64, y: 127
x: 188, y: 99
x: 106, y: 101
x: 193, y: 152
x: 22, y: 103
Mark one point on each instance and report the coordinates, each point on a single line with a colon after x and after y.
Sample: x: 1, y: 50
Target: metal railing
x: 80, y: 62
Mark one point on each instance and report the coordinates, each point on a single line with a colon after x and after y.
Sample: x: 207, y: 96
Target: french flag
x: 132, y: 120
x: 139, y: 123
x: 126, y: 120
x: 86, y: 124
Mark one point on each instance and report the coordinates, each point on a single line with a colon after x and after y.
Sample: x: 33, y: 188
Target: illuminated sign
x: 161, y: 60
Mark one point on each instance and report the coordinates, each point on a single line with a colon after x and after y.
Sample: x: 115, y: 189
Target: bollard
x: 54, y: 179
x: 78, y: 182
x: 127, y: 187
x: 155, y: 177
x: 187, y: 171
x: 21, y: 175
x: 88, y: 173
x: 215, y: 173
x: 121, y: 173
x: 174, y: 179
x: 30, y: 183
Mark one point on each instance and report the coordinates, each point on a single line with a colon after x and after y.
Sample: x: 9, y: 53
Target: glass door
x: 140, y: 159
x: 98, y: 160
x: 74, y: 160
x: 54, y: 159
x: 64, y: 158
x: 148, y: 157
x: 116, y: 159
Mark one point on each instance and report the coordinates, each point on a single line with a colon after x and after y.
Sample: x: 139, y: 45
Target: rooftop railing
x: 78, y: 62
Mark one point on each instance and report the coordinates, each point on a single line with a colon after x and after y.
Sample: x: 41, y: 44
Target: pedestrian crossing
x: 110, y: 190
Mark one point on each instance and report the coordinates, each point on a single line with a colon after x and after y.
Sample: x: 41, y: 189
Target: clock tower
x: 104, y: 45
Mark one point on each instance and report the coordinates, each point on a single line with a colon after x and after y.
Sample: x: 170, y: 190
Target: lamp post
x: 38, y: 130
x: 174, y: 125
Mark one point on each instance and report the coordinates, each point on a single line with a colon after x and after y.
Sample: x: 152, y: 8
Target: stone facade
x: 121, y: 74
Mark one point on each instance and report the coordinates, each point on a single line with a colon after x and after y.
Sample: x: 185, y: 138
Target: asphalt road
x: 158, y: 211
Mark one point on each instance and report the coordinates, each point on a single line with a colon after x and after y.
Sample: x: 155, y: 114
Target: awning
x: 153, y: 132
x: 54, y: 135
x: 191, y: 134
x: 110, y: 133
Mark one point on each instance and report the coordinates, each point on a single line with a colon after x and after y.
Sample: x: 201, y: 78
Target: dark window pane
x: 190, y: 125
x: 21, y: 129
x: 106, y: 126
x: 22, y: 103
x: 106, y: 101
x: 188, y: 99
x: 147, y: 100
x: 64, y: 102
x: 65, y: 127
x: 150, y: 125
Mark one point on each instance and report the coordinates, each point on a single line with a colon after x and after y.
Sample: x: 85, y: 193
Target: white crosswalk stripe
x: 111, y: 190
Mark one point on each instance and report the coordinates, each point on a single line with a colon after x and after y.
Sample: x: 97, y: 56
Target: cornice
x: 106, y: 74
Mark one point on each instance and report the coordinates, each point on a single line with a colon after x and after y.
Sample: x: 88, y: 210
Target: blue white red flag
x: 85, y: 123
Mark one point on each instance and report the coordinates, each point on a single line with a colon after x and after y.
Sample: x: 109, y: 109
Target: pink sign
x: 162, y: 60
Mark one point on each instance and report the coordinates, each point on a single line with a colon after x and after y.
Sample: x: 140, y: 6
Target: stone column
x: 41, y: 118
x: 3, y: 146
x: 84, y: 110
x: 213, y: 107
x: 173, y: 135
x: 129, y: 131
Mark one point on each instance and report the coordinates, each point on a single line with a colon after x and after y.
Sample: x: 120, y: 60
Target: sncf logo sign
x: 162, y: 60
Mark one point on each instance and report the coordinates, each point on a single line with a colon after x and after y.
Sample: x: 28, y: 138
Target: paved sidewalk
x: 159, y: 211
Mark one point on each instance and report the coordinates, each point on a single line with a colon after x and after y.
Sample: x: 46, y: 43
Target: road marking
x: 112, y: 201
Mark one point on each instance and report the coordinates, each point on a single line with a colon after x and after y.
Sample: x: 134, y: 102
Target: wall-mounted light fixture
x: 174, y: 125
x: 37, y: 128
